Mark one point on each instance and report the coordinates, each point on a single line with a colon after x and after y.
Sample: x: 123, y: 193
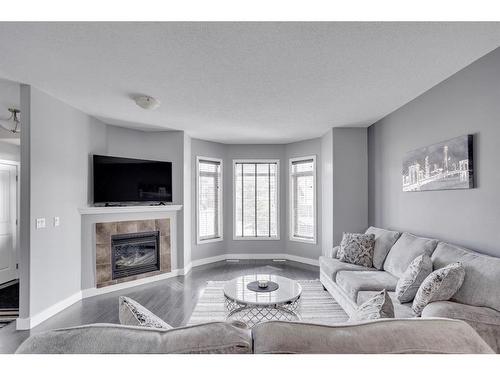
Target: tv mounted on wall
x: 124, y: 180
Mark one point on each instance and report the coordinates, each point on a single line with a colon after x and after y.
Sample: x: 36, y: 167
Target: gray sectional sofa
x: 384, y: 336
x: 477, y: 302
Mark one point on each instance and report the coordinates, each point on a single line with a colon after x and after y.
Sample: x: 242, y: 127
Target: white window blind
x: 303, y: 199
x: 256, y: 186
x: 209, y: 199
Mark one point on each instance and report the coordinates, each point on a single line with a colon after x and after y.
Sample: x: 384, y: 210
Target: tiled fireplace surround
x: 103, y: 233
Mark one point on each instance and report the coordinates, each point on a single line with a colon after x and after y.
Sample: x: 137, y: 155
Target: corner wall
x: 60, y: 140
x: 466, y: 103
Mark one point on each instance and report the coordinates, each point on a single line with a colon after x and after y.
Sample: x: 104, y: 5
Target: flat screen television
x: 124, y: 180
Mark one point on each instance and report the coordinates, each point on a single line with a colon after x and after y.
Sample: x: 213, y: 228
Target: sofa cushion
x: 332, y: 266
x: 383, y: 336
x: 440, y: 285
x: 415, y: 274
x: 407, y: 248
x: 354, y: 281
x: 384, y: 240
x: 206, y: 338
x: 482, y: 275
x: 357, y: 248
x: 401, y: 310
x: 379, y: 306
x: 132, y: 313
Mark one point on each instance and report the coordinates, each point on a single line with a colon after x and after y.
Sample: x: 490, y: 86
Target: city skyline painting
x: 441, y: 166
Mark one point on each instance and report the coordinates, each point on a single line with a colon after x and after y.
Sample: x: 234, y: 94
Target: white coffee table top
x: 236, y: 289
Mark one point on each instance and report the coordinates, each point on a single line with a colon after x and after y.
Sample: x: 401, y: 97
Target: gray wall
x: 350, y: 181
x: 293, y: 150
x: 9, y: 152
x: 326, y: 166
x: 61, y: 139
x: 466, y: 103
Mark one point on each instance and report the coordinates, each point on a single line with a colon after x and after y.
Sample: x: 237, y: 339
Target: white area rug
x: 316, y: 305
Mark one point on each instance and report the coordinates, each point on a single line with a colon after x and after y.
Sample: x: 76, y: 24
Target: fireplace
x: 135, y: 253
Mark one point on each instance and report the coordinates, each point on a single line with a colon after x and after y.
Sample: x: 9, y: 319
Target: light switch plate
x: 40, y: 223
x: 57, y: 221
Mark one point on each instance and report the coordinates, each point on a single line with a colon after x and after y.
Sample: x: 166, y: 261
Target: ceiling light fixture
x: 147, y: 102
x: 13, y: 123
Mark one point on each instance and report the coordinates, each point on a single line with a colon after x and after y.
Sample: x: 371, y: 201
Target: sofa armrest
x: 484, y: 320
x: 332, y: 253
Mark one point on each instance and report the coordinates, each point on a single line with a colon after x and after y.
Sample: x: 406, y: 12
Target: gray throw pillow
x: 378, y: 307
x: 357, y: 248
x: 440, y: 285
x: 415, y: 274
x: 132, y: 313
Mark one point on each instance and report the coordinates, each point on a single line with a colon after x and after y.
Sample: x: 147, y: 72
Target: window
x: 303, y: 199
x: 209, y: 199
x: 256, y: 200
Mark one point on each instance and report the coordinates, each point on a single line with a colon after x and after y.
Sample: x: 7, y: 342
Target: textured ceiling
x: 241, y: 82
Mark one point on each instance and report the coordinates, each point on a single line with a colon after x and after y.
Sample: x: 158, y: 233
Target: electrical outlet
x: 40, y: 223
x: 57, y: 221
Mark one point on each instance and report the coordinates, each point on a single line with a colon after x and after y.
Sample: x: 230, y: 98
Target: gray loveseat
x: 477, y: 302
x: 384, y: 336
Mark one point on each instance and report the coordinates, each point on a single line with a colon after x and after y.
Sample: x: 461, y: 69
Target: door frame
x: 15, y: 233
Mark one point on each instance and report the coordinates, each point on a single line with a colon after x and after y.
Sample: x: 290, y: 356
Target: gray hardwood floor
x: 172, y: 299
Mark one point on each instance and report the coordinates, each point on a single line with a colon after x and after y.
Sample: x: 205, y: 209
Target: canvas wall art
x: 441, y: 166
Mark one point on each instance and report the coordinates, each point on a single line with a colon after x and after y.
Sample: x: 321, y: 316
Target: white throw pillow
x: 440, y: 285
x: 415, y: 274
x: 132, y: 313
x: 378, y: 307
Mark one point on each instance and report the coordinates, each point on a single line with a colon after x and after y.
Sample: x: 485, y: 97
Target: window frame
x: 291, y: 194
x: 201, y: 241
x: 278, y: 187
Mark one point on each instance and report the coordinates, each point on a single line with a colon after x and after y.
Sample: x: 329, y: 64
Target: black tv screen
x: 118, y: 180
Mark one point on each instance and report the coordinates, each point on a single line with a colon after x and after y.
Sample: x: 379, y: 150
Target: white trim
x: 90, y: 292
x: 128, y: 209
x: 33, y: 321
x: 278, y: 187
x: 200, y: 241
x: 291, y: 194
x: 254, y: 256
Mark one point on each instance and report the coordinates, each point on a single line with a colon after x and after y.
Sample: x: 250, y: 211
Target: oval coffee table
x: 254, y: 307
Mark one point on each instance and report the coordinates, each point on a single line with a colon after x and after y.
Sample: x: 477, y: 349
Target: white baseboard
x: 219, y: 258
x: 28, y: 323
x: 91, y: 292
x: 33, y: 321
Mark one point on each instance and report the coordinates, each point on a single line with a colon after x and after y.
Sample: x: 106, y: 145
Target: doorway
x: 9, y: 277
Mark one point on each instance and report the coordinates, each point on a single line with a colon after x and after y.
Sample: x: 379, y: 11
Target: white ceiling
x: 241, y: 82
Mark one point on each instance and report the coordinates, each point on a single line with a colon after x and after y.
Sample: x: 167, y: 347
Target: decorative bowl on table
x: 263, y: 284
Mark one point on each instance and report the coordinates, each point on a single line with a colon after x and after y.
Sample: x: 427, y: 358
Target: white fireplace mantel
x: 128, y: 209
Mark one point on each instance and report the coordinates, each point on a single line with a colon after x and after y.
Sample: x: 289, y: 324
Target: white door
x: 8, y: 217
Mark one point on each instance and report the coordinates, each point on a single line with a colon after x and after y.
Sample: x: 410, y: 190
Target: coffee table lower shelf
x: 253, y: 314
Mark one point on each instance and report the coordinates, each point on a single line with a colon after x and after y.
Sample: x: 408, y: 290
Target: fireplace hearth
x: 135, y: 253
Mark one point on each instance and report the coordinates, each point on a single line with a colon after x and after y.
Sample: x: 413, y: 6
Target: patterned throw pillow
x: 378, y: 307
x: 132, y: 313
x: 440, y: 285
x: 357, y: 248
x: 415, y: 274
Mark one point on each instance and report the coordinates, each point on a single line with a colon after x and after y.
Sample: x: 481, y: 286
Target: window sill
x: 303, y: 240
x: 209, y: 240
x: 255, y: 238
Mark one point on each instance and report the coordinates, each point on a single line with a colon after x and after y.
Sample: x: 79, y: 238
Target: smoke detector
x: 147, y: 102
